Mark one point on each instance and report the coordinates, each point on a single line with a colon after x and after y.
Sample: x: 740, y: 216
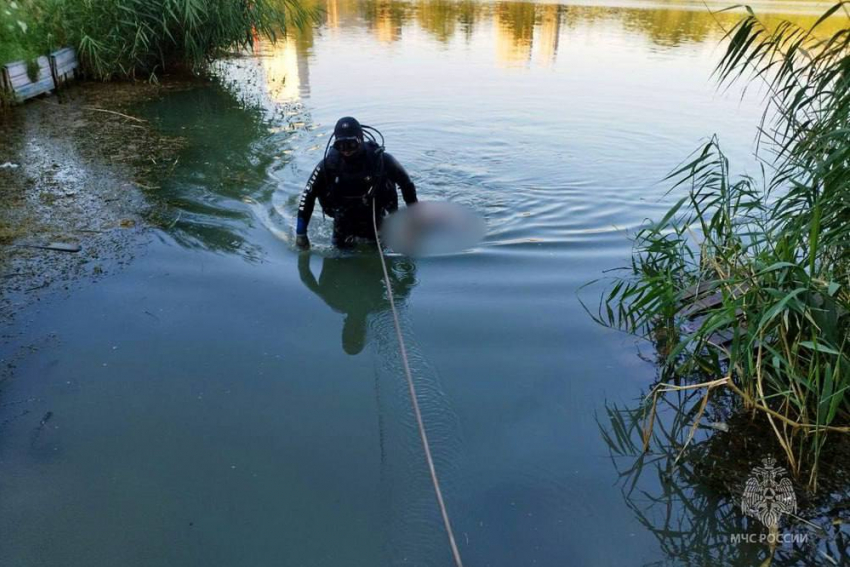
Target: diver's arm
x: 397, y: 174
x: 315, y: 187
x: 306, y: 274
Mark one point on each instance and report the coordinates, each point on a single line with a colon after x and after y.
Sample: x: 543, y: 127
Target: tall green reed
x: 142, y: 38
x: 772, y: 250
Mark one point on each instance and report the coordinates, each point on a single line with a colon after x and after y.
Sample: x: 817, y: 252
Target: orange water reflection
x: 521, y: 33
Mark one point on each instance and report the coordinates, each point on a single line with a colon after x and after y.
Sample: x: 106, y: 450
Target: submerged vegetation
x: 141, y: 38
x: 745, y: 282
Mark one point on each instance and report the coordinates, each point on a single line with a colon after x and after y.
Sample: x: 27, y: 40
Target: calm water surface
x: 227, y: 401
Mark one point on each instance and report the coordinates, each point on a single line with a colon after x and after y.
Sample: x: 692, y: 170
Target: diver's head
x: 348, y: 136
x: 354, y: 333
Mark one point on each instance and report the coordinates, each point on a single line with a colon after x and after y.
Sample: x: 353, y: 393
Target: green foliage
x: 140, y: 38
x: 22, y: 36
x: 133, y: 38
x: 773, y: 251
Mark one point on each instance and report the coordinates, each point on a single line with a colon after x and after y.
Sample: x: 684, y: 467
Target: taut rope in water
x: 412, y: 390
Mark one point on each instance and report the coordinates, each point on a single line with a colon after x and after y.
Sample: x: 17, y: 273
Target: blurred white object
x: 432, y: 227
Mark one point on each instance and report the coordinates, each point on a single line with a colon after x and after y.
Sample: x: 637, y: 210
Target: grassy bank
x: 139, y: 39
x: 773, y: 250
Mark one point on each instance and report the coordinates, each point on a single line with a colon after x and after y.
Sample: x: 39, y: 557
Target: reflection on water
x: 203, y: 412
x: 523, y: 32
x: 548, y: 33
x: 514, y: 25
x: 203, y: 198
x: 216, y: 188
x: 385, y: 19
x: 691, y: 503
x: 353, y: 284
x: 287, y: 73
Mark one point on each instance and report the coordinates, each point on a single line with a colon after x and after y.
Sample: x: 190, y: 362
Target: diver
x: 354, y: 286
x: 353, y: 172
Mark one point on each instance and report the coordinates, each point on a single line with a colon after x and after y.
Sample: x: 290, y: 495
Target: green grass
x: 776, y: 246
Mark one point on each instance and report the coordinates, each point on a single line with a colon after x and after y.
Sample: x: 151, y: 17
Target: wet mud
x: 74, y: 169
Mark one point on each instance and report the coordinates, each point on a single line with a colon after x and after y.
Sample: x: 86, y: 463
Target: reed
x: 143, y: 38
x: 133, y: 38
x: 775, y: 248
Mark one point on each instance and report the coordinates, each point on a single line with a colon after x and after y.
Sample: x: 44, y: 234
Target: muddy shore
x: 74, y: 168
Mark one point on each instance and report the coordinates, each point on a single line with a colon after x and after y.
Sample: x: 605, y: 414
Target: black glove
x: 301, y: 241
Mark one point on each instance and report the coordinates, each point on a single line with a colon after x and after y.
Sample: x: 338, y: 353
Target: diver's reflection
x: 354, y: 286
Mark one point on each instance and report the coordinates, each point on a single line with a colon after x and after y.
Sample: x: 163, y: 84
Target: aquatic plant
x: 746, y: 281
x: 140, y: 38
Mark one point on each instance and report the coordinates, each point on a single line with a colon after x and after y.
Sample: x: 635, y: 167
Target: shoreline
x: 76, y: 168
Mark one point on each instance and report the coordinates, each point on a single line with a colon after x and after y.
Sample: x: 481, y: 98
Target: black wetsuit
x: 343, y: 187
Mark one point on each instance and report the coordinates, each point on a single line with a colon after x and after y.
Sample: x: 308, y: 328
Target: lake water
x: 225, y: 400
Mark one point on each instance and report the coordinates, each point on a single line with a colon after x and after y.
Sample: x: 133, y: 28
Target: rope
x: 413, y: 399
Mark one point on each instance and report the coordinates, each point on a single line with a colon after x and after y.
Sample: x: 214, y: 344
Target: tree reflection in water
x: 519, y: 26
